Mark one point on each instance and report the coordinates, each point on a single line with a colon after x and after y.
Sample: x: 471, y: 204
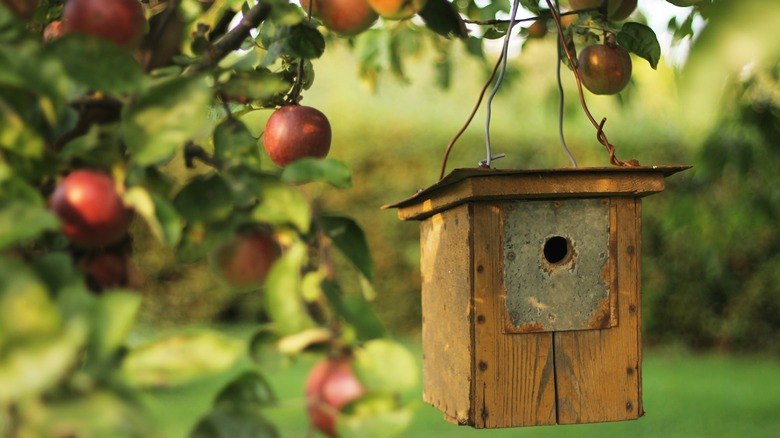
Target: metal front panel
x: 556, y: 265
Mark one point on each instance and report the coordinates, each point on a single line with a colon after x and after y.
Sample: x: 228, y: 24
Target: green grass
x: 685, y: 395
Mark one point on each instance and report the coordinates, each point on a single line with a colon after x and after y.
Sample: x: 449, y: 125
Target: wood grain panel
x: 514, y: 382
x: 446, y: 298
x: 598, y: 371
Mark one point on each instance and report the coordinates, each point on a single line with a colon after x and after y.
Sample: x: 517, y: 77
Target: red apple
x: 106, y: 270
x: 397, y: 9
x: 331, y: 385
x: 623, y: 11
x: 119, y: 21
x: 604, y: 68
x: 23, y: 8
x: 345, y: 17
x: 244, y: 261
x: 294, y: 132
x: 612, y: 6
x: 91, y: 209
x: 52, y: 31
x: 538, y: 29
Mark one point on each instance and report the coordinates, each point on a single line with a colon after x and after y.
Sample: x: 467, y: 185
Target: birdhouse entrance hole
x: 557, y: 250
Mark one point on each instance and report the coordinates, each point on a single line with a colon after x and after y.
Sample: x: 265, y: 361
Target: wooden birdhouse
x: 531, y: 293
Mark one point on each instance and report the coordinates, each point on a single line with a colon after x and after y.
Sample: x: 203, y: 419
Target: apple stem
x: 294, y: 97
x: 601, y: 136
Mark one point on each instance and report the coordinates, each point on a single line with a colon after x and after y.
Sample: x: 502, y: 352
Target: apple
x: 397, y: 9
x: 330, y: 386
x: 294, y: 132
x: 538, y: 29
x: 119, y: 21
x: 106, y: 270
x: 625, y: 9
x: 244, y: 261
x: 604, y: 68
x: 91, y: 210
x: 345, y: 17
x: 23, y: 8
x: 612, y: 6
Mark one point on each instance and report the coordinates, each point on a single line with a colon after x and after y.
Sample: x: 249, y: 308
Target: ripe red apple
x: 119, y: 21
x: 345, y: 17
x: 623, y: 11
x: 294, y: 132
x: 612, y: 6
x: 106, y: 270
x: 90, y: 208
x: 397, y: 9
x: 331, y: 385
x: 23, y: 8
x: 604, y: 68
x: 244, y: 261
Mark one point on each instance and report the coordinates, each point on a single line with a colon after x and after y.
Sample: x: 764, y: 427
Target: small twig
x: 600, y: 134
x: 521, y: 20
x: 194, y: 152
x: 233, y: 39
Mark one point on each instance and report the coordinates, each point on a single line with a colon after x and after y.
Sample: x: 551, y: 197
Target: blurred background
x: 711, y: 255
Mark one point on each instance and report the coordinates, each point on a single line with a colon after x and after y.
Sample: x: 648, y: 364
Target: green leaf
x: 97, y: 64
x: 204, y: 198
x: 348, y: 237
x: 235, y: 422
x: 640, y: 40
x: 443, y: 18
x: 355, y: 311
x: 282, y: 204
x: 113, y: 319
x: 162, y: 218
x: 385, y: 366
x: 375, y: 416
x: 284, y: 302
x: 165, y: 117
x: 234, y: 144
x: 255, y: 85
x: 299, y: 41
x: 23, y: 221
x: 248, y: 389
x: 181, y: 358
x: 326, y: 170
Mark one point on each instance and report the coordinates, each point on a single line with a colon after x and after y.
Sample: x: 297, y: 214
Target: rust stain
x: 531, y: 327
x: 602, y: 315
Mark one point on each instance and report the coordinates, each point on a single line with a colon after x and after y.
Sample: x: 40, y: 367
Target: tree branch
x: 233, y: 39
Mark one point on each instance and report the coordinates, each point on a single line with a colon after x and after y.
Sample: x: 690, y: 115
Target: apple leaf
x: 159, y: 214
x: 235, y: 421
x: 204, y: 198
x: 23, y: 221
x: 255, y: 85
x: 113, y: 318
x: 284, y: 302
x: 282, y: 204
x: 375, y: 416
x: 248, y: 389
x: 299, y: 41
x: 97, y: 64
x: 443, y: 18
x: 354, y: 311
x: 326, y: 170
x: 234, y: 144
x: 181, y: 358
x: 165, y: 117
x: 640, y: 40
x: 385, y: 366
x: 348, y: 237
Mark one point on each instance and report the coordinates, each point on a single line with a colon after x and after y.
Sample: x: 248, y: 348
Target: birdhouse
x: 531, y: 293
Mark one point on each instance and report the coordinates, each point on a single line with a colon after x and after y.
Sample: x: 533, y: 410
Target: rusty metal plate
x: 556, y: 265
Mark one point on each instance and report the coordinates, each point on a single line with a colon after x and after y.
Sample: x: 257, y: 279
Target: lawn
x: 685, y: 395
